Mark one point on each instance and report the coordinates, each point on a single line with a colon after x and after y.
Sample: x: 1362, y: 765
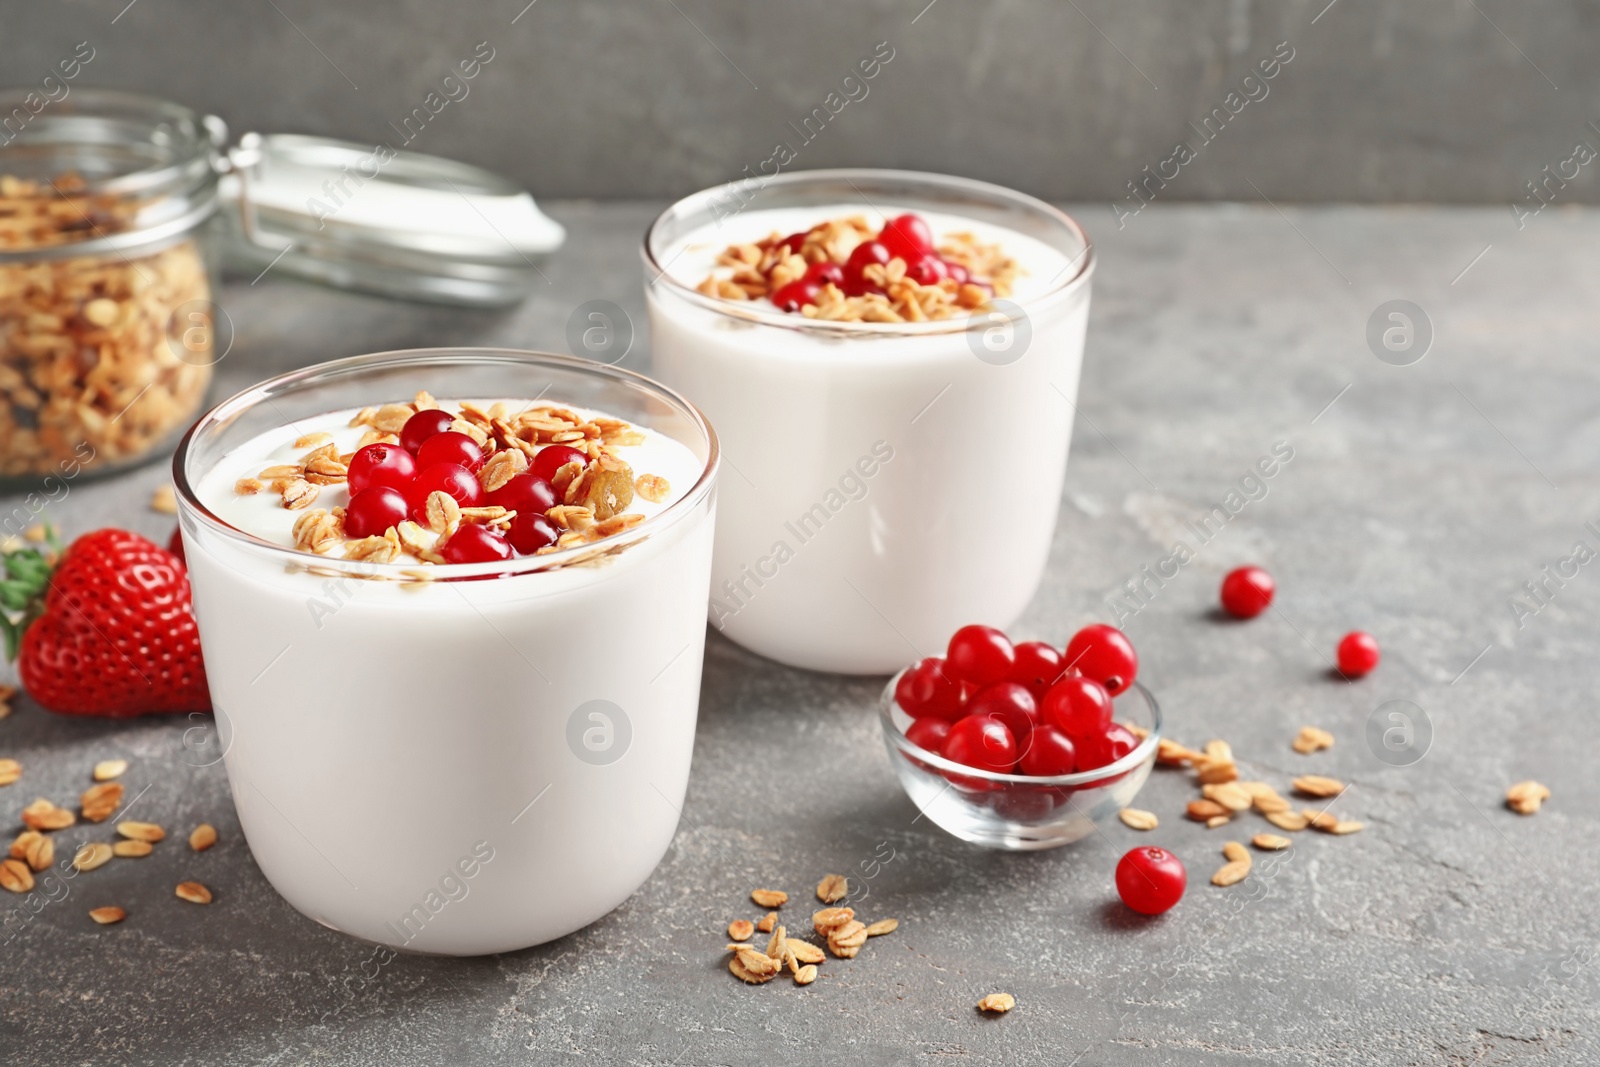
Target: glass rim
x: 1143, y: 751
x: 748, y: 311
x: 349, y: 366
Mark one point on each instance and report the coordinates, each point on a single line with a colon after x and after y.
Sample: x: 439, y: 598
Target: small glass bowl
x: 1014, y: 811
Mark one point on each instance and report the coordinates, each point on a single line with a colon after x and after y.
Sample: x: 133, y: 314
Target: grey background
x: 1426, y: 100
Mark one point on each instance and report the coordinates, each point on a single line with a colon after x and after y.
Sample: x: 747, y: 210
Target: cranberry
x: 863, y: 256
x: 957, y: 273
x: 450, y: 478
x: 981, y: 742
x: 1104, y: 749
x: 927, y: 269
x: 928, y: 734
x: 381, y: 464
x: 825, y: 274
x: 1009, y: 703
x: 525, y: 492
x: 1038, y: 666
x: 1247, y: 592
x: 1050, y: 752
x: 1105, y: 654
x: 529, y: 533
x: 1358, y: 654
x: 907, y: 237
x: 451, y: 446
x: 373, y: 510
x: 552, y: 458
x: 980, y: 655
x: 1150, y: 880
x: 795, y: 241
x: 472, y: 543
x: 857, y: 286
x: 797, y: 294
x: 423, y: 425
x: 1078, y: 706
x: 929, y: 690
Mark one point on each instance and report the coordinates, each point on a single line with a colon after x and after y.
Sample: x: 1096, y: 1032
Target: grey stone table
x: 1418, y: 502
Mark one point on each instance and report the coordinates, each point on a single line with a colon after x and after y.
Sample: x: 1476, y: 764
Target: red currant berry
x: 1150, y: 880
x: 472, y: 543
x: 525, y: 492
x: 928, y: 734
x: 1008, y: 702
x: 552, y: 458
x: 1358, y: 654
x: 380, y: 464
x: 1050, y: 752
x: 1080, y: 707
x: 1104, y: 749
x: 423, y: 425
x: 1038, y: 666
x: 927, y: 269
x: 795, y: 241
x: 797, y: 294
x: 1105, y: 654
x: 980, y: 655
x: 373, y: 510
x: 907, y: 237
x: 451, y: 446
x: 928, y: 689
x: 957, y: 273
x: 450, y: 478
x: 982, y: 742
x: 825, y: 274
x: 1247, y: 592
x: 529, y: 533
x: 856, y: 286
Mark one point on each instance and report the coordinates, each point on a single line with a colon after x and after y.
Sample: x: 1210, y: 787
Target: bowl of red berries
x: 1022, y: 746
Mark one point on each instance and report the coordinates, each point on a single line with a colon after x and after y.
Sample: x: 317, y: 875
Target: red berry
x: 907, y: 237
x: 981, y: 742
x: 373, y: 510
x: 865, y: 255
x: 525, y: 492
x: 423, y: 425
x: 825, y: 273
x: 1150, y: 880
x: 797, y: 294
x: 451, y: 446
x: 1038, y: 666
x: 1050, y: 752
x: 928, y: 689
x: 472, y: 543
x: 1079, y: 707
x: 1008, y: 702
x: 381, y: 464
x: 795, y: 241
x: 450, y: 478
x: 1247, y: 592
x: 1358, y: 654
x: 980, y: 655
x: 927, y: 269
x: 552, y: 458
x: 928, y: 734
x: 1105, y: 654
x: 1104, y: 749
x: 529, y: 533
x: 957, y: 273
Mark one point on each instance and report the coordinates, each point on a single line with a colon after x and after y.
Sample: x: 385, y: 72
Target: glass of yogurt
x: 450, y: 757
x: 892, y: 474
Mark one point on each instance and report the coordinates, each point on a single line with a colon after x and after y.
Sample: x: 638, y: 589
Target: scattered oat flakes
x: 741, y: 929
x: 194, y: 893
x: 882, y: 926
x: 1346, y: 826
x: 10, y: 771
x: 1136, y: 819
x: 164, y: 500
x: 806, y: 975
x: 1321, y: 820
x: 752, y: 966
x: 91, y: 855
x: 108, y: 769
x: 832, y: 888
x: 652, y: 487
x: 846, y: 939
x: 1525, y: 798
x: 1311, y: 739
x: 999, y: 1003
x: 141, y: 831
x: 826, y: 919
x: 100, y: 802
x: 107, y: 916
x: 1288, y: 820
x: 15, y: 876
x: 1316, y: 785
x: 1270, y: 842
x: 1204, y: 810
x: 769, y: 898
x: 313, y: 440
x: 805, y: 951
x: 1218, y: 820
x: 1172, y: 754
x: 768, y: 921
x: 202, y: 837
x: 43, y: 815
x: 132, y: 849
x: 1229, y: 795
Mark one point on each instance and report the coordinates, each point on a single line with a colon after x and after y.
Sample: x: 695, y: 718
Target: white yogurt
x: 886, y: 485
x: 458, y: 767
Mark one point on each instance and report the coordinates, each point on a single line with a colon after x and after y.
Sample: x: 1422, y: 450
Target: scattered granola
x: 1525, y: 798
x: 832, y: 888
x: 100, y: 802
x: 1138, y: 820
x: 10, y: 771
x: 1236, y: 869
x: 132, y: 849
x: 164, y: 500
x: 1270, y: 842
x: 741, y: 929
x: 999, y: 1003
x: 44, y: 815
x: 202, y: 837
x: 1316, y: 785
x: 15, y: 877
x: 768, y: 921
x: 92, y: 855
x: 769, y: 898
x: 108, y: 769
x: 34, y: 848
x: 194, y: 893
x: 1311, y: 739
x: 108, y: 915
x: 141, y: 831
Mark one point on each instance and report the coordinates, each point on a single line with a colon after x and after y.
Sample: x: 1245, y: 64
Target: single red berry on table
x: 450, y: 478
x: 1050, y: 752
x: 1104, y: 749
x: 451, y: 446
x: 423, y: 425
x: 981, y: 742
x: 1078, y: 706
x: 1247, y: 592
x: 375, y: 509
x: 530, y: 532
x: 472, y: 543
x: 1105, y: 654
x: 928, y: 734
x: 1038, y: 666
x: 797, y: 294
x: 1150, y: 880
x: 552, y: 458
x: 907, y: 237
x: 1009, y: 703
x: 112, y: 631
x: 929, y: 689
x: 980, y: 655
x: 381, y: 464
x: 1358, y: 654
x: 524, y: 492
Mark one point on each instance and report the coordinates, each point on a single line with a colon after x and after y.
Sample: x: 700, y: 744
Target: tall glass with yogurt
x: 888, y: 482
x: 455, y: 758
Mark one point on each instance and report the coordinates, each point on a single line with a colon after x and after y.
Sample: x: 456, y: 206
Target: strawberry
x: 108, y: 631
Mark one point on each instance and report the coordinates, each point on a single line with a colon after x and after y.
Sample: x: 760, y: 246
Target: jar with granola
x: 108, y: 330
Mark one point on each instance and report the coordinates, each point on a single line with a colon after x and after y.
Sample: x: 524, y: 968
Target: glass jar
x: 107, y: 272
